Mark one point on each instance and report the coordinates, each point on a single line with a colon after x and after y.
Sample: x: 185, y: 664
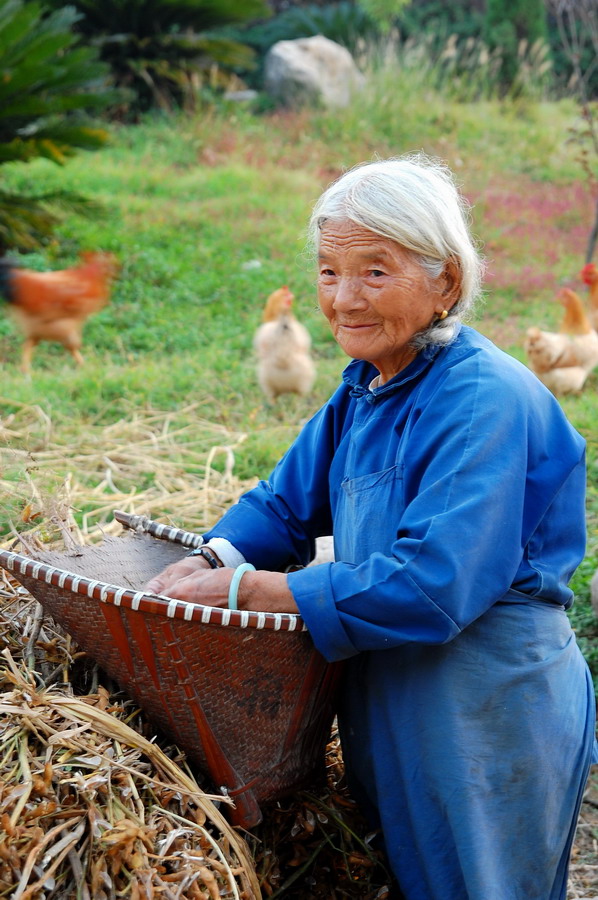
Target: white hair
x: 412, y: 200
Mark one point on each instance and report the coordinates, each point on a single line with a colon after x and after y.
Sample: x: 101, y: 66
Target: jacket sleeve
x: 275, y: 524
x: 494, y: 486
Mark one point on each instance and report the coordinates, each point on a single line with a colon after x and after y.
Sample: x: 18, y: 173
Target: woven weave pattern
x: 251, y: 706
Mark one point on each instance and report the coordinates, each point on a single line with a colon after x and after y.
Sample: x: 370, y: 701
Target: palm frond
x: 28, y: 222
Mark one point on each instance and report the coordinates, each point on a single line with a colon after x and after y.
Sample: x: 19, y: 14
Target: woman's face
x: 376, y: 296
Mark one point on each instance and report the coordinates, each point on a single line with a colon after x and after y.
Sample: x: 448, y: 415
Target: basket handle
x: 144, y: 525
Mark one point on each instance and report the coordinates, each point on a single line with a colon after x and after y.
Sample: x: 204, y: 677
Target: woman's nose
x: 348, y: 294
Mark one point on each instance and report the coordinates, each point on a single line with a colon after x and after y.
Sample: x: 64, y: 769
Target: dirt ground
x: 583, y: 874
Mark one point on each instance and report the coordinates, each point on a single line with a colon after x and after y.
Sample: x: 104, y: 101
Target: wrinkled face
x: 375, y: 295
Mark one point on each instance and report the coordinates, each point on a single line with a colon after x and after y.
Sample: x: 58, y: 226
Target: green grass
x: 207, y: 215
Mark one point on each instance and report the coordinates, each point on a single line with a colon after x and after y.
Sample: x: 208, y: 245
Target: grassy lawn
x: 207, y: 216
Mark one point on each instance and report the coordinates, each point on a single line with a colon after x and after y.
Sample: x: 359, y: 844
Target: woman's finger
x: 206, y: 586
x: 160, y: 583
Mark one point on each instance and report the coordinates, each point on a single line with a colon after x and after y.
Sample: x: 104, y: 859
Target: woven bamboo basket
x: 246, y: 695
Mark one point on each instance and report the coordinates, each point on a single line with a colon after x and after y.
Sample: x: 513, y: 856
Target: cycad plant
x: 163, y: 50
x: 48, y: 88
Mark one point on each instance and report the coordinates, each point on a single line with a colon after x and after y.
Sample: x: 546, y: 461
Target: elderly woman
x: 454, y: 488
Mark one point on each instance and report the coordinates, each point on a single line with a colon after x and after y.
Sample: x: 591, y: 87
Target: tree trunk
x: 593, y: 237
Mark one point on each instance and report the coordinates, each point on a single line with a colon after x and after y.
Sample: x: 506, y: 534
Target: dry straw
x: 90, y: 808
x: 175, y: 467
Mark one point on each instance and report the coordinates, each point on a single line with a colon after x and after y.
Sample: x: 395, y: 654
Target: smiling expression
x: 376, y: 295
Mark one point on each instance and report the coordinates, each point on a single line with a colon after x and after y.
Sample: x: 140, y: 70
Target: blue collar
x: 358, y: 375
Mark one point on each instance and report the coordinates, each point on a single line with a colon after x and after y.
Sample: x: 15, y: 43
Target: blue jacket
x: 473, y: 476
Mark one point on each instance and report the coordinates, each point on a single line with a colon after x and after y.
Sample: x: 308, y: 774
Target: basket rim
x: 144, y: 602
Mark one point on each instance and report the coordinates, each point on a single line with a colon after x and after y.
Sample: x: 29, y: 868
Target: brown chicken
x: 589, y: 275
x: 563, y: 360
x: 53, y: 306
x: 278, y: 302
x: 282, y: 345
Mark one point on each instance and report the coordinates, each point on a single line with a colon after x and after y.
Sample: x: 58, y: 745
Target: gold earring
x: 443, y: 315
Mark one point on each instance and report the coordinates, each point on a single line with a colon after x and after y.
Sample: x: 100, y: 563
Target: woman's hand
x: 191, y: 579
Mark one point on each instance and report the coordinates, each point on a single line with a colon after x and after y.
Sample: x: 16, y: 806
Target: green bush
x: 578, y: 40
x: 164, y: 51
x: 344, y: 22
x: 438, y: 20
x: 507, y: 24
x: 47, y: 90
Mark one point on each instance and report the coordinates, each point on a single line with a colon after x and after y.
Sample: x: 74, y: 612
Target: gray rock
x: 311, y: 70
x: 241, y: 96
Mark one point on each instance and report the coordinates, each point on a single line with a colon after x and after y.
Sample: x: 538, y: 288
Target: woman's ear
x: 451, y: 290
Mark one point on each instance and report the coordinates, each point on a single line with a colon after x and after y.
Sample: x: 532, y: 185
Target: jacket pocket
x: 368, y: 514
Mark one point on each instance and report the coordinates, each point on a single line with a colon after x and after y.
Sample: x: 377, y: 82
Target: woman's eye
x: 377, y: 273
x: 327, y: 272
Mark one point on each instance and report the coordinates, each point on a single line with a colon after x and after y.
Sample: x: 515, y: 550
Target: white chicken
x: 563, y: 360
x: 282, y: 346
